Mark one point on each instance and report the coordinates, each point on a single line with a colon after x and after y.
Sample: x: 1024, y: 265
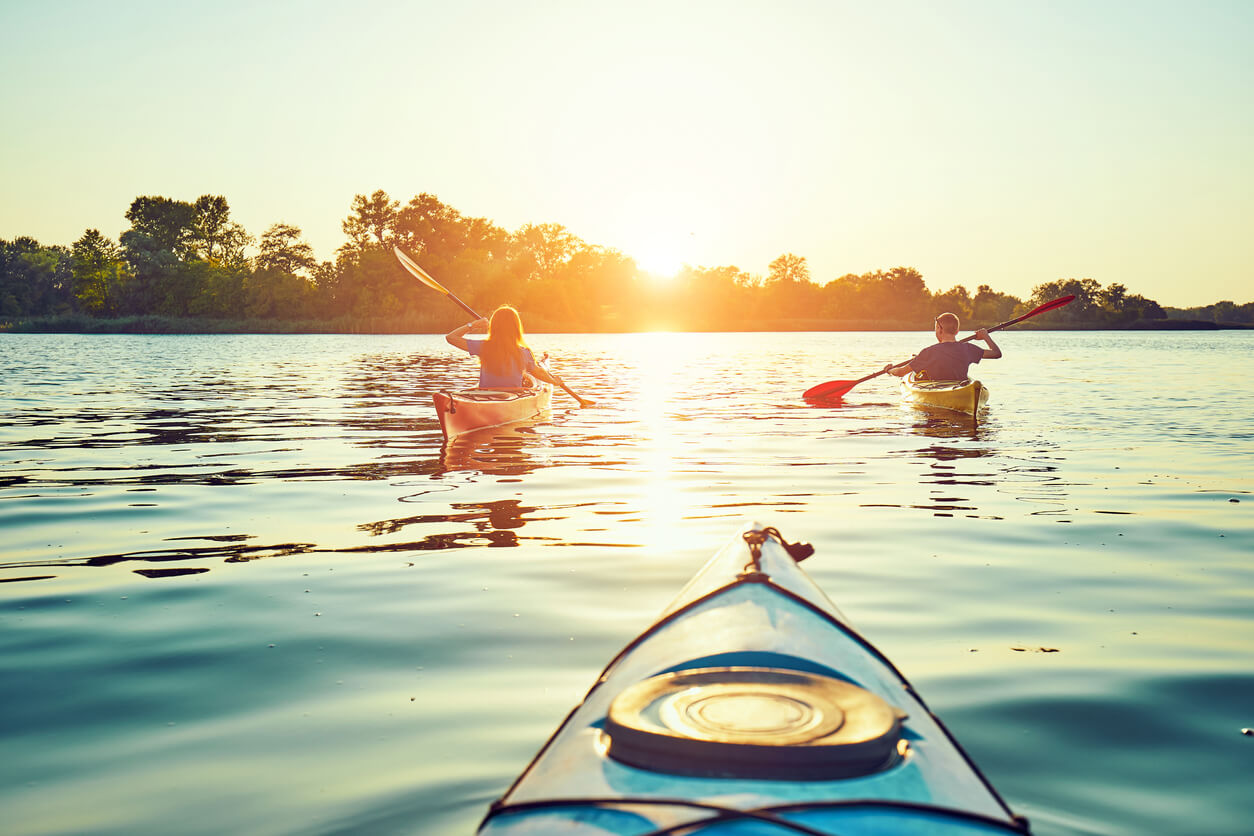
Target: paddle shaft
x: 1040, y: 309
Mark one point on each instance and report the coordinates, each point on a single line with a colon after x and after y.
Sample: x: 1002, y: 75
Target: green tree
x: 988, y: 307
x: 370, y: 223
x: 284, y: 250
x: 1083, y: 309
x: 956, y: 300
x: 472, y: 253
x: 100, y: 274
x: 897, y: 295
x: 35, y: 280
x: 540, y: 249
x: 155, y: 246
x: 166, y: 224
x: 788, y: 290
x: 213, y: 236
x: 909, y: 298
x: 275, y: 294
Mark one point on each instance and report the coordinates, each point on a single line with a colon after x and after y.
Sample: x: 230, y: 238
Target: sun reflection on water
x: 666, y: 503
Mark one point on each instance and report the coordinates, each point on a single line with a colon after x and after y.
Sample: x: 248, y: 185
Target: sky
x: 998, y: 142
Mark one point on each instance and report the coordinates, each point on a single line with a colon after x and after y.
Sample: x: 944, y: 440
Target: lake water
x: 245, y: 589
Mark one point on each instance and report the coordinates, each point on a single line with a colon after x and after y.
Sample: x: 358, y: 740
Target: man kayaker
x: 948, y: 359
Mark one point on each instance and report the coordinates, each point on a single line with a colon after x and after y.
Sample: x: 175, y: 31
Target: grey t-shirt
x: 947, y: 361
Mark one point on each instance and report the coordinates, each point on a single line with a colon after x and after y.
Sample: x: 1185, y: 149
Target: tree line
x: 190, y: 262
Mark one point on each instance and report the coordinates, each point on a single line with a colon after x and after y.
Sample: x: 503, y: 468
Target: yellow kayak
x: 965, y: 396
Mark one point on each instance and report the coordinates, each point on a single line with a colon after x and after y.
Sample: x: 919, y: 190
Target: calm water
x: 246, y: 590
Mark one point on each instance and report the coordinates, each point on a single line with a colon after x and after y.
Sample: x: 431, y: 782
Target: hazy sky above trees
x: 981, y: 142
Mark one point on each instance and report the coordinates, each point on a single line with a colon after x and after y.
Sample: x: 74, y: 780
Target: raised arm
x: 457, y: 337
x: 993, y: 351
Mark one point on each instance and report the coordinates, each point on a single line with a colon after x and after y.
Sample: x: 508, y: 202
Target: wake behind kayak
x: 751, y: 707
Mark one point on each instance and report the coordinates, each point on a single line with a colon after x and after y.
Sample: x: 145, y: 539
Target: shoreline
x: 178, y: 326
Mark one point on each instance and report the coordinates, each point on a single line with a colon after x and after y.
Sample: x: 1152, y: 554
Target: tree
x: 1082, y: 309
x: 717, y: 297
x: 909, y: 298
x: 166, y: 223
x: 897, y: 295
x: 788, y: 269
x: 788, y: 290
x: 956, y: 300
x: 283, y: 250
x: 99, y: 274
x: 990, y: 307
x: 35, y: 280
x: 585, y: 291
x: 213, y: 236
x: 541, y: 249
x: 371, y: 221
x: 274, y: 294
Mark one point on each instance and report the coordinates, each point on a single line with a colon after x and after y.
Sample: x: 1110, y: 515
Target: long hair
x: 501, y: 353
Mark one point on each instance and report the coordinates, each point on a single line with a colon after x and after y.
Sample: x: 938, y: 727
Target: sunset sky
x: 980, y: 141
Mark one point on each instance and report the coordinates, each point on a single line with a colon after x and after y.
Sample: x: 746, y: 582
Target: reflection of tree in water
x: 234, y: 548
x: 492, y: 524
x: 502, y: 515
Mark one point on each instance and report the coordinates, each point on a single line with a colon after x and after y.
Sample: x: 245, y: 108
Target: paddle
x: 836, y: 388
x: 423, y: 276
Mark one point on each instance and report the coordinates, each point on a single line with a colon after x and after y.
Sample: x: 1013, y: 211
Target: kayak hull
x: 965, y: 396
x: 730, y: 709
x: 468, y: 410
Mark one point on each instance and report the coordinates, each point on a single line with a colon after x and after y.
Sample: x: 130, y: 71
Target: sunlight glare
x: 667, y: 505
x: 660, y: 251
x: 661, y: 263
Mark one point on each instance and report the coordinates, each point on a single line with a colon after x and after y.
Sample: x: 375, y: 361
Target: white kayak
x: 469, y: 410
x: 751, y: 707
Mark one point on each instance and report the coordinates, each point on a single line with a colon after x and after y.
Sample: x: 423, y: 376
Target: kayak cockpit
x: 767, y: 723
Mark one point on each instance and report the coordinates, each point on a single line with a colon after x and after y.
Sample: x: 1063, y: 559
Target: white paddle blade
x: 416, y: 270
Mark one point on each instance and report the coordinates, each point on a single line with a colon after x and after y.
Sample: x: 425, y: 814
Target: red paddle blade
x: 1049, y: 306
x: 830, y: 389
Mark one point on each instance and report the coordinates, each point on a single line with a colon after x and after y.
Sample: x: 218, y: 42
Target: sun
x: 660, y: 263
x: 661, y: 252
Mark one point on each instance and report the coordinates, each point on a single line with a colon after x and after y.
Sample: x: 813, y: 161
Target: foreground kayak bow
x: 751, y: 707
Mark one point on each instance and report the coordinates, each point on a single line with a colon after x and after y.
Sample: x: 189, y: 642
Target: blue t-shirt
x: 947, y: 361
x: 513, y: 379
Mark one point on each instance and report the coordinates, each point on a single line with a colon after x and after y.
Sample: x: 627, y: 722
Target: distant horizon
x: 664, y: 279
x: 980, y: 143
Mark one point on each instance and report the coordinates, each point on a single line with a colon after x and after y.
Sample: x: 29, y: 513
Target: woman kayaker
x: 948, y: 359
x: 505, y: 360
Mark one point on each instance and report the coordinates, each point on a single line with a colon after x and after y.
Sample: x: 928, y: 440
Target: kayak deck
x: 965, y: 396
x: 751, y: 706
x: 467, y: 410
